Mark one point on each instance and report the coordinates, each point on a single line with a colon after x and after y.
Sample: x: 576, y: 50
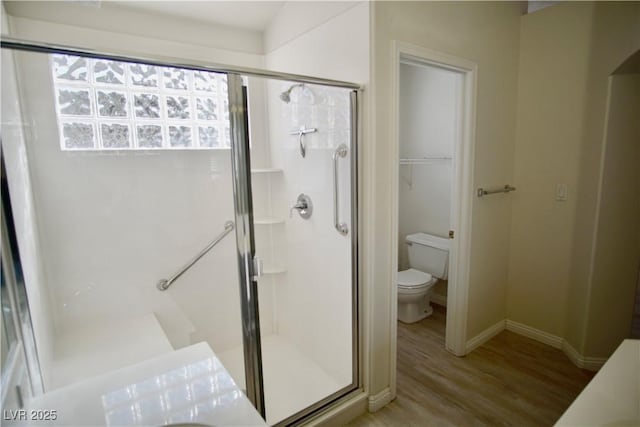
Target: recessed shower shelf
x: 268, y: 221
x: 266, y: 170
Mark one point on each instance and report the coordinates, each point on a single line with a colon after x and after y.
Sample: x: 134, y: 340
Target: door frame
x: 462, y: 194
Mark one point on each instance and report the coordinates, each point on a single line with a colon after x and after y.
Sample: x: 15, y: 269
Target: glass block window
x: 112, y: 105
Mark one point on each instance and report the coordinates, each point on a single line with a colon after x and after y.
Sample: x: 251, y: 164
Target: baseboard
x: 536, y: 334
x: 485, y: 336
x: 379, y: 400
x: 588, y: 363
x: 439, y: 299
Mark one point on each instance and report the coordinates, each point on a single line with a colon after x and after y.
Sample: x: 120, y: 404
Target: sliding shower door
x: 298, y: 212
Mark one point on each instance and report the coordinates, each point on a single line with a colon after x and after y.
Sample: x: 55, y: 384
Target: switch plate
x: 561, y: 192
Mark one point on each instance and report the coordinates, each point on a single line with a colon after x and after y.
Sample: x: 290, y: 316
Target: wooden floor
x: 510, y: 380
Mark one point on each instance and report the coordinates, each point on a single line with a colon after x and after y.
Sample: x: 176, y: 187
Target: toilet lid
x: 413, y: 278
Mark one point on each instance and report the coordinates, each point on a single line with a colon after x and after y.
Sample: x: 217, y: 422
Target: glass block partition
x: 107, y: 105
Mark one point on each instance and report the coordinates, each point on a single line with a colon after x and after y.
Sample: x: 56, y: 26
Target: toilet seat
x: 413, y: 279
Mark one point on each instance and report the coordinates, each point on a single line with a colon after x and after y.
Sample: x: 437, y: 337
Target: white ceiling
x: 248, y: 15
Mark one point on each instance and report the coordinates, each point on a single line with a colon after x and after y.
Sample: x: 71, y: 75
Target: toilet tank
x: 429, y: 253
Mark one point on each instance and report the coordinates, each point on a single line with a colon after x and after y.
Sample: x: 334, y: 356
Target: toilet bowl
x: 428, y: 261
x: 414, y: 290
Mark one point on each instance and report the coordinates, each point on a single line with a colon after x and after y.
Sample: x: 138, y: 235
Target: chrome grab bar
x: 342, y: 228
x: 164, y: 284
x: 506, y: 189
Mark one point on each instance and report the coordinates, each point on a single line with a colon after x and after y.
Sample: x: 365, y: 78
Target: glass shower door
x: 300, y: 177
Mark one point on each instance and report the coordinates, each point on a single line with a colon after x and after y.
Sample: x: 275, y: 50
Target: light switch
x: 561, y: 192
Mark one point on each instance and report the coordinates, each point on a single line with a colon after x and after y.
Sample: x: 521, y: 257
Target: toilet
x: 429, y: 261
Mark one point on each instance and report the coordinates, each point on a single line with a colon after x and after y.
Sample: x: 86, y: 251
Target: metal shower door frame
x: 245, y: 240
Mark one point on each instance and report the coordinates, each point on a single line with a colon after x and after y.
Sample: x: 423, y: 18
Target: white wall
x: 125, y: 22
x: 338, y: 49
x: 294, y: 19
x: 429, y: 118
x: 108, y: 41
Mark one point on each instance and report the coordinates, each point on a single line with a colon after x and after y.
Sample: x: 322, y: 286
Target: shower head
x: 286, y: 95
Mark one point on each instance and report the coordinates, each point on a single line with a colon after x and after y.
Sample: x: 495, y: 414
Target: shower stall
x: 160, y: 206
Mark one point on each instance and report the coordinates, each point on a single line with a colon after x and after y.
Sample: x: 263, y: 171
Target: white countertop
x: 189, y: 385
x: 612, y: 398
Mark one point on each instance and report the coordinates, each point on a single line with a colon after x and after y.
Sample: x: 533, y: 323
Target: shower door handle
x: 341, y: 227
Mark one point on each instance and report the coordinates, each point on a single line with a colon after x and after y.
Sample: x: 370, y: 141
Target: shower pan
x: 132, y: 166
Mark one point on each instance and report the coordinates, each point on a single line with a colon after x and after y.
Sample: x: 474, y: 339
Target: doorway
x: 430, y: 111
x: 432, y: 147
